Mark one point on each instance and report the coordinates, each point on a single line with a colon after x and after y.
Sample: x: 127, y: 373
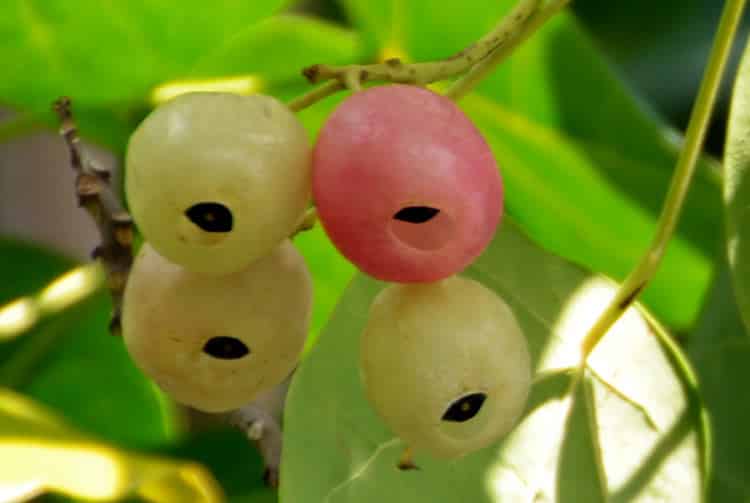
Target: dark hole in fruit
x: 465, y: 408
x: 211, y: 217
x: 225, y: 348
x: 416, y: 214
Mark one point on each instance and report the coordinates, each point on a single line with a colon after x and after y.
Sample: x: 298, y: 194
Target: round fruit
x: 215, y: 180
x: 215, y: 342
x: 445, y: 365
x: 405, y: 185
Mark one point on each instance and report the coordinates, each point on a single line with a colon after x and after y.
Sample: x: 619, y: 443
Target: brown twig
x: 261, y: 419
x: 261, y: 423
x: 95, y: 195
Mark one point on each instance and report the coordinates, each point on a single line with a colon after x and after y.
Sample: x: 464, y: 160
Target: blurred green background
x: 585, y: 122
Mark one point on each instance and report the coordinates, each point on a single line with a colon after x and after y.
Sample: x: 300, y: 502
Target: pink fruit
x: 405, y: 185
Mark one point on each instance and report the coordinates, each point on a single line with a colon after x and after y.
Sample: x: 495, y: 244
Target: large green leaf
x: 720, y: 351
x: 107, y: 53
x: 737, y: 187
x: 109, y: 59
x: 586, y: 166
x: 630, y: 429
x: 70, y: 362
x: 279, y: 48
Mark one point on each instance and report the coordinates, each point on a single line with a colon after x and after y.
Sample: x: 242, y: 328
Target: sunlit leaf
x: 70, y: 362
x: 737, y: 187
x: 234, y: 462
x: 40, y: 453
x: 629, y: 430
x: 586, y: 165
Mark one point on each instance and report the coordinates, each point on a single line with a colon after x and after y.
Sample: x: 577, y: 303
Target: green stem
x: 469, y: 81
x: 315, y: 95
x: 696, y: 133
x: 394, y: 70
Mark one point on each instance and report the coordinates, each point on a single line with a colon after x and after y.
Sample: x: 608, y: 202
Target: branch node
x: 311, y: 73
x: 115, y: 323
x: 523, y: 20
x: 88, y: 186
x: 96, y: 196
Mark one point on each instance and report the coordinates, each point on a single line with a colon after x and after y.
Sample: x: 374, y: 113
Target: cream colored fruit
x: 215, y: 342
x: 445, y: 365
x: 216, y: 180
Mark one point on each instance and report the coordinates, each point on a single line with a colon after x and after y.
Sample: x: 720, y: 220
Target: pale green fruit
x: 445, y: 365
x: 215, y: 342
x: 216, y: 180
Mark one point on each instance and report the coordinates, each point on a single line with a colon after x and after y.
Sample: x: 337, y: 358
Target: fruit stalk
x: 469, y: 81
x: 493, y: 46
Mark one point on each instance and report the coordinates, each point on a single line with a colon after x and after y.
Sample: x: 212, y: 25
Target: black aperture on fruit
x: 211, y: 217
x: 416, y: 214
x: 465, y: 408
x: 225, y: 348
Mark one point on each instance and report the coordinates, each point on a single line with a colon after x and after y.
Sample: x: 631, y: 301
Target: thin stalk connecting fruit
x: 520, y: 23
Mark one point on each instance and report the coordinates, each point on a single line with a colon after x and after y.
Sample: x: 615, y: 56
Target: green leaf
x: 737, y: 187
x: 381, y: 23
x: 331, y: 273
x: 579, y: 459
x: 233, y: 461
x: 48, y: 455
x: 88, y: 374
x: 108, y: 56
x: 586, y: 165
x: 70, y: 362
x: 279, y: 48
x: 628, y: 429
x: 27, y: 268
x: 110, y: 53
x: 720, y: 351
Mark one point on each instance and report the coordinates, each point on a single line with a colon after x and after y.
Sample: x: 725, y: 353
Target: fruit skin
x: 248, y: 153
x: 425, y: 346
x: 170, y: 313
x: 394, y: 146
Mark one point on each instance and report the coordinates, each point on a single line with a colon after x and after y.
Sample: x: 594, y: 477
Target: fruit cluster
x: 218, y: 303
